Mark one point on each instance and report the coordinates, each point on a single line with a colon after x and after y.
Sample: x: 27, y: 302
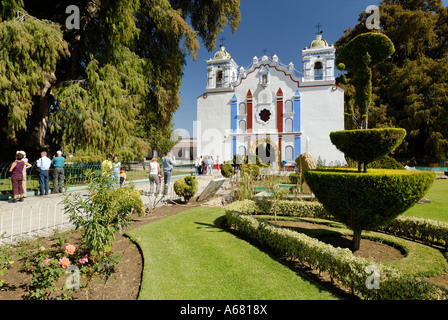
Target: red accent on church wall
x: 249, y: 111
x: 280, y: 118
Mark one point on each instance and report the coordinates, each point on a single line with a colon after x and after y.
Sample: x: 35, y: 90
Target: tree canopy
x: 110, y: 86
x: 409, y: 88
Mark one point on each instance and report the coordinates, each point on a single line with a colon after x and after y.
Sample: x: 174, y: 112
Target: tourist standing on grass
x: 154, y: 172
x: 58, y: 172
x: 16, y: 171
x: 168, y: 164
x: 43, y: 166
x: 116, y: 166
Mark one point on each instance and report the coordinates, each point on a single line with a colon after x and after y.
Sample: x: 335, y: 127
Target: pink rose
x: 46, y: 261
x: 83, y: 260
x: 64, y: 262
x: 70, y: 249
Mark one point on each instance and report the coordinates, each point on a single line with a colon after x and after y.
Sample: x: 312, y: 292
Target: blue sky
x: 281, y: 27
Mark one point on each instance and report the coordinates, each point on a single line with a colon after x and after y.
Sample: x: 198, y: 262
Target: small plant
x: 103, y: 212
x: 186, y: 187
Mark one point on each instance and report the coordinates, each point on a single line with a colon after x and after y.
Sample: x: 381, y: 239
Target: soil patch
x: 123, y: 285
x: 380, y: 252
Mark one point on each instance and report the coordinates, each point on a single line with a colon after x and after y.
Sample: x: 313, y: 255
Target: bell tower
x: 222, y: 71
x: 318, y: 61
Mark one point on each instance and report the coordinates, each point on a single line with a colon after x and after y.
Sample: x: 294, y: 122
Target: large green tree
x: 110, y: 86
x: 409, y: 89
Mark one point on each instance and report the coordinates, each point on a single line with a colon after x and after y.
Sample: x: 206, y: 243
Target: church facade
x: 270, y: 109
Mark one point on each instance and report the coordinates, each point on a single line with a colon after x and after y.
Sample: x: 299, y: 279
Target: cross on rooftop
x: 318, y: 26
x: 222, y: 40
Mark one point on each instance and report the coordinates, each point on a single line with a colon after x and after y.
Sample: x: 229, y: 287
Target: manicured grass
x: 189, y: 256
x: 438, y: 209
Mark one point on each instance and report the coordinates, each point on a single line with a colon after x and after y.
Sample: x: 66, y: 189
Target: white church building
x: 271, y: 109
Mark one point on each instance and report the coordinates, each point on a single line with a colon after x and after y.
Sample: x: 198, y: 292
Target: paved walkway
x: 41, y: 215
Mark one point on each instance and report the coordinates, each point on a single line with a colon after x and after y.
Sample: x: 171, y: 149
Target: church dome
x: 319, y: 42
x: 222, y: 54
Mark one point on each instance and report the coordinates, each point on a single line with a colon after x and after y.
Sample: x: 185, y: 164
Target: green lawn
x: 189, y: 256
x: 438, y: 209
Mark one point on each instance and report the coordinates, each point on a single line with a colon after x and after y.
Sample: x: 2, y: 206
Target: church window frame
x: 242, y: 127
x: 289, y: 125
x: 318, y: 70
x: 289, y: 153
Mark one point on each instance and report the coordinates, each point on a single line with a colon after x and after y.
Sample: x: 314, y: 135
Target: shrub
x: 227, y: 170
x: 367, y: 201
x: 340, y: 264
x: 293, y: 178
x: 186, y: 187
x: 368, y: 145
x: 284, y: 208
x: 388, y: 163
x: 427, y: 231
x: 252, y: 170
x: 103, y: 212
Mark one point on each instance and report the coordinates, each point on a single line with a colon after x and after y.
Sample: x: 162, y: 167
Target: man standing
x: 58, y: 173
x: 43, y: 165
x: 167, y: 163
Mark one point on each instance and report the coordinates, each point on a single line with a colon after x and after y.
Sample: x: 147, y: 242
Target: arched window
x: 242, y: 125
x: 264, y: 79
x: 219, y: 79
x: 242, y: 108
x: 288, y: 106
x: 242, y: 151
x: 288, y: 125
x: 289, y: 151
x: 318, y: 71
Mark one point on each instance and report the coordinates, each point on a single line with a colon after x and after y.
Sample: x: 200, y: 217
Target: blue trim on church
x: 297, y: 124
x: 234, y: 121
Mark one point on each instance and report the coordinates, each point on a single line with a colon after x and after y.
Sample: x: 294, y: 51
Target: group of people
x: 114, y: 169
x: 18, y: 174
x: 204, y: 165
x: 155, y: 173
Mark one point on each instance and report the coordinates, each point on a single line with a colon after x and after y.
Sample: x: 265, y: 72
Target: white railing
x: 26, y: 222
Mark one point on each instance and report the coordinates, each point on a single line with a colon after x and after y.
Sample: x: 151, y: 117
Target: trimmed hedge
x: 284, y: 208
x: 367, y: 145
x: 340, y: 264
x: 366, y: 201
x: 293, y: 178
x: 186, y: 187
x: 429, y: 232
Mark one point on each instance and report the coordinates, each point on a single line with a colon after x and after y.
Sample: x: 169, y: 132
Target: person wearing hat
x: 58, y: 172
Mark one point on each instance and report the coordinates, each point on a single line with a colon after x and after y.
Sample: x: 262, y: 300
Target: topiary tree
x: 358, y: 56
x: 368, y: 145
x: 186, y: 187
x: 368, y: 200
